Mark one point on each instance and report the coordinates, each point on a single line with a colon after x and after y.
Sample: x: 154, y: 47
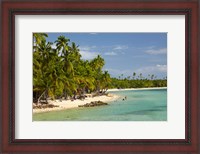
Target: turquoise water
x: 140, y: 105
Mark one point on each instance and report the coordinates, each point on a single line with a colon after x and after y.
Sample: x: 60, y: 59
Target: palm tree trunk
x: 65, y: 94
x: 46, y: 95
x: 40, y: 97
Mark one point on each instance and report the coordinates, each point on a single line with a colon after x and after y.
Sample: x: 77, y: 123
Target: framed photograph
x: 99, y: 77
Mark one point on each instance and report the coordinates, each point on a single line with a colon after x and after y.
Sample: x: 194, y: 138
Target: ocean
x: 140, y: 105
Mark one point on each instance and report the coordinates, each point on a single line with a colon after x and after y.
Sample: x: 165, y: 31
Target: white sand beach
x: 67, y: 104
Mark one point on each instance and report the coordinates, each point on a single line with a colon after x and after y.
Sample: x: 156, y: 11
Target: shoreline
x: 68, y: 104
x: 151, y: 88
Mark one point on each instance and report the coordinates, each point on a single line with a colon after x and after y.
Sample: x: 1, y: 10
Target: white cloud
x: 151, y: 47
x: 88, y: 55
x: 153, y: 69
x: 93, y: 33
x: 161, y: 68
x: 117, y: 49
x: 54, y: 46
x: 120, y: 47
x: 156, y: 51
x: 88, y: 52
x: 110, y: 53
x: 87, y: 48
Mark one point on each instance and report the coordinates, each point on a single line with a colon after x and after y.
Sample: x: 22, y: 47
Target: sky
x: 124, y: 53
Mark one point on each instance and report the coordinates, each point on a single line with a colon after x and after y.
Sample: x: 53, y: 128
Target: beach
x: 68, y: 104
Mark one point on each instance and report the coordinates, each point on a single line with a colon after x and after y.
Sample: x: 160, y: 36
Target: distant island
x: 60, y: 74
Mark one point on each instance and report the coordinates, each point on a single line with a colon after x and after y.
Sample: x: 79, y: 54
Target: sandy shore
x: 110, y: 90
x: 67, y: 104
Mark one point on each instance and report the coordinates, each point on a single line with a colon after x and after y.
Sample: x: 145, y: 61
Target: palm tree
x: 152, y: 76
x: 105, y: 80
x: 140, y: 76
x: 42, y: 65
x: 122, y: 76
x: 62, y: 44
x: 134, y: 74
x: 39, y: 37
x: 74, y: 55
x: 61, y: 71
x: 97, y: 65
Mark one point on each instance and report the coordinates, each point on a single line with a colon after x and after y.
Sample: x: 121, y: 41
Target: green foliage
x: 137, y: 83
x: 60, y: 72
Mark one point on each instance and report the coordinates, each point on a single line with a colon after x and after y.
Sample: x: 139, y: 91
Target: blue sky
x: 124, y: 53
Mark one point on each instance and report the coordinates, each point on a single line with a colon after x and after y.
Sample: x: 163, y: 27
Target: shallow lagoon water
x: 140, y: 105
